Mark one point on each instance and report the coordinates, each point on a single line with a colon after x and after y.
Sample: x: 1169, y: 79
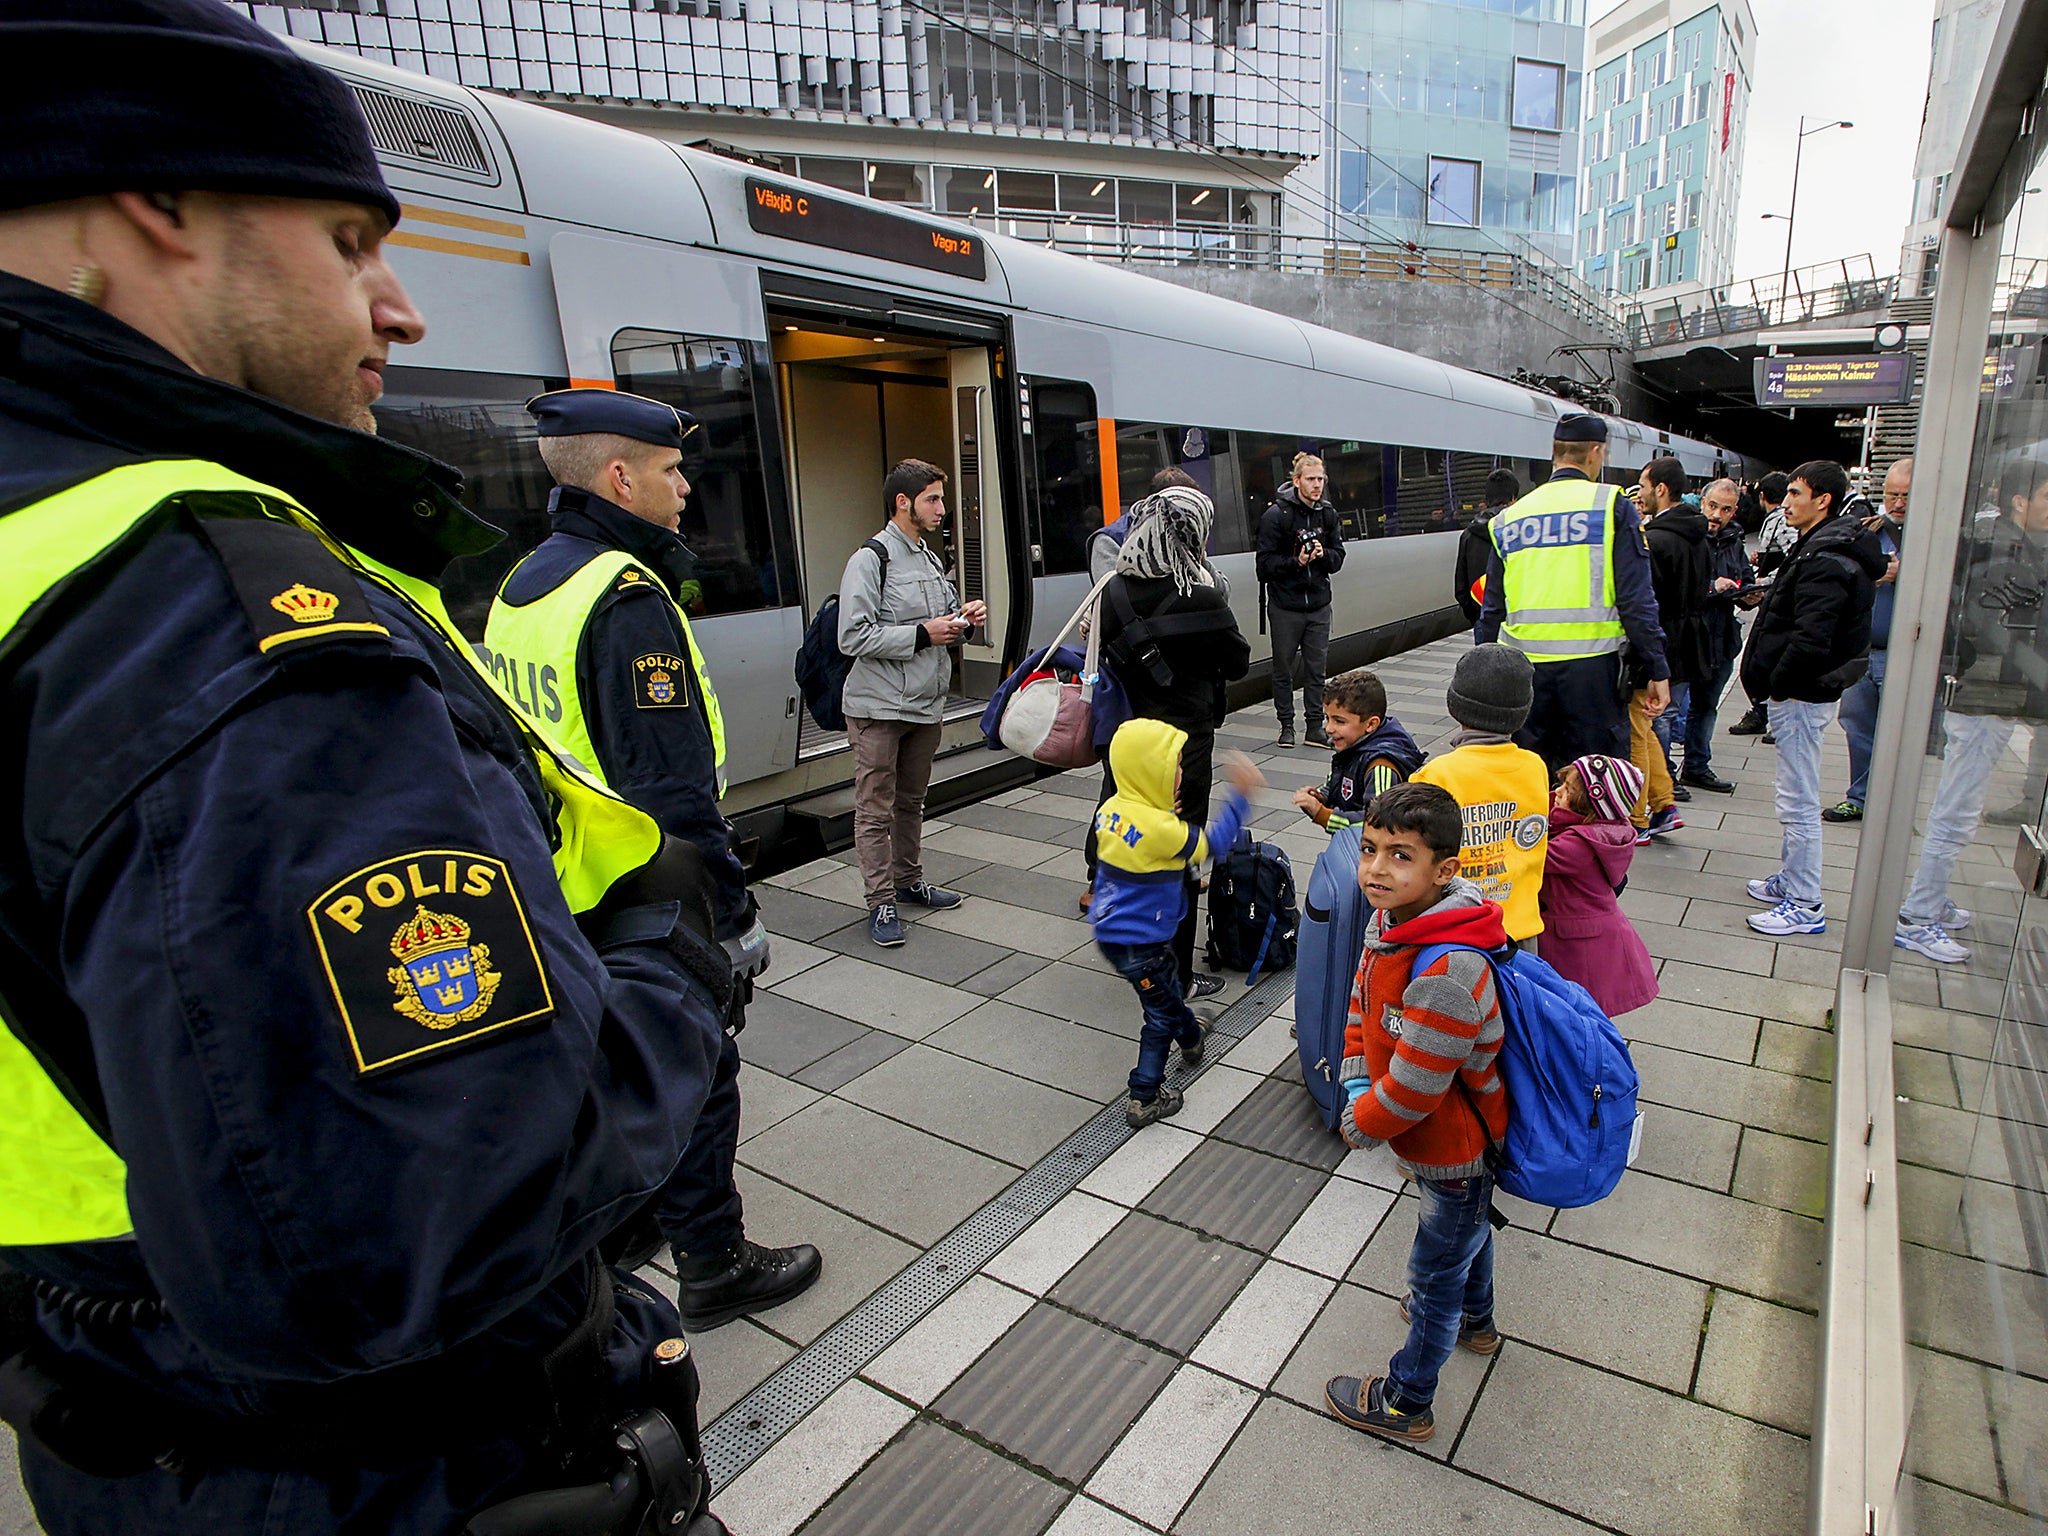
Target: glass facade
x: 1663, y: 138
x: 1455, y: 122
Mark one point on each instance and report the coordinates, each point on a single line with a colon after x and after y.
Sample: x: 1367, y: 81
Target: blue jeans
x: 1694, y: 727
x: 1154, y: 974
x: 1975, y: 743
x: 1799, y: 727
x: 1859, y: 724
x: 1670, y: 726
x: 1450, y: 1284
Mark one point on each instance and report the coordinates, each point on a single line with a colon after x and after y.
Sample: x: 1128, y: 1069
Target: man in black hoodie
x: 1300, y: 547
x: 1733, y: 577
x: 1681, y: 575
x: 1810, y: 642
x: 1475, y: 546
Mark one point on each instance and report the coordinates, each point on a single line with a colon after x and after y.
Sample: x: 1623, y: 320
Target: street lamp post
x: 1805, y: 133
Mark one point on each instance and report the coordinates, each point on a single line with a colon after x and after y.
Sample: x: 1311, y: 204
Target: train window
x: 726, y: 522
x: 1422, y: 497
x: 1262, y: 461
x: 1144, y: 448
x: 1066, y: 473
x: 1468, y: 484
x: 1357, y: 486
x: 478, y: 423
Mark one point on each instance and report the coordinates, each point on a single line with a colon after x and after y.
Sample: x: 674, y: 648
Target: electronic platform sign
x: 1864, y: 378
x: 864, y: 230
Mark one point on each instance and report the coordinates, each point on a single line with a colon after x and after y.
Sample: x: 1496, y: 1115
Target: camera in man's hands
x: 1308, y: 541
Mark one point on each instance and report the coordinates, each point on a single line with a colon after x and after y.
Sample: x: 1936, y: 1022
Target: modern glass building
x: 1663, y: 145
x: 1454, y: 124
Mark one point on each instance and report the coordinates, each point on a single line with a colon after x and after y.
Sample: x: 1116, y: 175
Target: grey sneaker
x: 1139, y: 1113
x: 1191, y: 1055
x: 884, y: 926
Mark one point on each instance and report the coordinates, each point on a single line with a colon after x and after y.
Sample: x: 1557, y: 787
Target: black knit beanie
x: 1492, y: 690
x: 172, y: 96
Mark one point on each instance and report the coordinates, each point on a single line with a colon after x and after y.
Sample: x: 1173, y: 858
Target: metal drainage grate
x: 748, y: 1428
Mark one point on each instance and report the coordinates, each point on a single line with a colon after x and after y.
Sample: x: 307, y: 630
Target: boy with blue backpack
x: 1143, y: 850
x: 1419, y: 1073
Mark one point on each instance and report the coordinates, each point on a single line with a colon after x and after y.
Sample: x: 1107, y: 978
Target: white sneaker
x: 1952, y: 916
x: 1930, y: 940
x: 1770, y: 891
x: 1789, y: 916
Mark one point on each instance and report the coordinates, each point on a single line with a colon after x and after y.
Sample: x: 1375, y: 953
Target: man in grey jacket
x: 899, y: 619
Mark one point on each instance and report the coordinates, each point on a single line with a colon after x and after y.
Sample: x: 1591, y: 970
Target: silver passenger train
x: 821, y: 337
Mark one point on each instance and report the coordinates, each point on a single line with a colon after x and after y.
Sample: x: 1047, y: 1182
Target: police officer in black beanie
x: 323, y: 1080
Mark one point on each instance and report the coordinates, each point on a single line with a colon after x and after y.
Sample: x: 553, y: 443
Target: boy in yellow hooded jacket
x: 1144, y: 851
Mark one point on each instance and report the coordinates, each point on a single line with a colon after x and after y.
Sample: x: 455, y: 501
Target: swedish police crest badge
x: 658, y: 681
x: 467, y: 961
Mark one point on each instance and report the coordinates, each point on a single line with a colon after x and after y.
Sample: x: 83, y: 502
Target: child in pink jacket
x: 1586, y: 937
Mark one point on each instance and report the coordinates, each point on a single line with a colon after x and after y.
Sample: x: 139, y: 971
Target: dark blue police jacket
x: 318, y: 1234
x: 660, y: 759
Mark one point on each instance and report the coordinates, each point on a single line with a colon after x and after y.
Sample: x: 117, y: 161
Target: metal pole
x: 1785, y: 277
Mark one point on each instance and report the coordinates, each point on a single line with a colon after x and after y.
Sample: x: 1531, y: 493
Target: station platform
x: 1032, y: 1319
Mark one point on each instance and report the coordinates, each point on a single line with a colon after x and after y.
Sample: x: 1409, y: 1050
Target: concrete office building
x: 1453, y: 124
x: 1664, y: 133
x: 1171, y: 126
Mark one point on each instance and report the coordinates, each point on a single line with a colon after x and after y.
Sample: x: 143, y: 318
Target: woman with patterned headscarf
x: 1170, y: 637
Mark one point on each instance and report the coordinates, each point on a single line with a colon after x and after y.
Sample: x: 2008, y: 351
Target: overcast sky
x: 1865, y: 60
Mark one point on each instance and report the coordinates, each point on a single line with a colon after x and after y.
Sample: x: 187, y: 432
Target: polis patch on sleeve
x: 426, y: 951
x: 659, y: 681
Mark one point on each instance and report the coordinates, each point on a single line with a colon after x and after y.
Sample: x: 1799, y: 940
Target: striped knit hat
x: 1614, y: 785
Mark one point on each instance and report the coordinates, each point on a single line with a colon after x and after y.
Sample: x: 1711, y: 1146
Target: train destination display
x: 795, y: 214
x: 1884, y: 378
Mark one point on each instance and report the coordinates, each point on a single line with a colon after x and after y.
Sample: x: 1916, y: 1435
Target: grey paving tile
x: 858, y: 1257
x: 1157, y: 1467
x: 1090, y: 1062
x: 1008, y: 926
x: 16, y: 1517
x: 1935, y: 1508
x: 732, y: 1361
x: 803, y: 917
x: 995, y: 847
x: 1652, y: 906
x: 1239, y: 1195
x: 1689, y: 1027
x: 1760, y: 996
x: 1358, y: 1332
x: 964, y: 1101
x: 1792, y: 1048
x: 785, y: 1036
x: 802, y: 1470
x: 879, y: 996
x: 1758, y: 1361
x: 872, y: 1047
x: 1733, y: 1477
x: 1796, y: 1106
x: 1952, y: 1434
x: 1695, y: 1149
x: 946, y: 1340
x: 1253, y: 1338
x: 1279, y: 1117
x: 1752, y: 1248
x: 1821, y: 968
x: 901, y: 1180
x: 1781, y: 1171
x: 941, y: 1484
x: 1004, y: 974
x: 928, y: 952
x: 1057, y: 1391
x: 1156, y: 1281
x: 1646, y: 1323
x: 1927, y: 1076
x: 1063, y: 831
x: 1956, y: 1305
x: 1036, y: 889
x: 1079, y: 784
x: 1064, y: 991
x: 1751, y: 954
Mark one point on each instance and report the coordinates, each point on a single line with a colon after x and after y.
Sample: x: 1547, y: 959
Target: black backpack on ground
x: 1252, y: 916
x: 821, y: 667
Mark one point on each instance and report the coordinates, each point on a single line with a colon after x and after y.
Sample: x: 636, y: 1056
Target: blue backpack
x: 821, y: 667
x: 1573, y: 1126
x: 1334, y: 913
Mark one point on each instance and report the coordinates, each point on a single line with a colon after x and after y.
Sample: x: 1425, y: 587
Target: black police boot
x: 715, y: 1289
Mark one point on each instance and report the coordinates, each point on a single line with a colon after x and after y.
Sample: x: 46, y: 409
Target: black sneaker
x: 1768, y: 739
x: 715, y: 1289
x: 1139, y: 1113
x: 1707, y: 779
x: 1848, y: 810
x: 1204, y: 984
x: 1362, y: 1405
x: 1286, y: 736
x: 1315, y: 735
x: 1751, y: 724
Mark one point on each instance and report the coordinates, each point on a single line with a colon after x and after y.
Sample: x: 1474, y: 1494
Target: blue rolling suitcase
x: 1332, y: 938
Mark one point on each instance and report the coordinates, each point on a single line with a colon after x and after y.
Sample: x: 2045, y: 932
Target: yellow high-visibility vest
x: 60, y: 1181
x: 533, y: 649
x: 1557, y: 552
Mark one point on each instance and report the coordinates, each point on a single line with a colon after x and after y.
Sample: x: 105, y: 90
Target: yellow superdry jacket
x: 1143, y: 848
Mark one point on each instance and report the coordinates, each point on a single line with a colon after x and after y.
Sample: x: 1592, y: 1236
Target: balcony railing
x: 1520, y: 268
x: 1820, y: 292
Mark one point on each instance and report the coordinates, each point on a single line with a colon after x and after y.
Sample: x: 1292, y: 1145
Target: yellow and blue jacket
x: 1143, y: 848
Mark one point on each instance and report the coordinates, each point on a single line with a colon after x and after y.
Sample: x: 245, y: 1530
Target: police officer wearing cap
x: 589, y: 633
x: 1568, y: 584
x: 323, y: 1075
